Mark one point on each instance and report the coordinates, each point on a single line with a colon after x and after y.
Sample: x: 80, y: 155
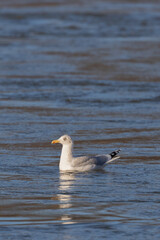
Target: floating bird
x: 82, y: 163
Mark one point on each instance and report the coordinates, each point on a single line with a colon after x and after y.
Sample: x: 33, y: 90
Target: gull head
x: 64, y: 140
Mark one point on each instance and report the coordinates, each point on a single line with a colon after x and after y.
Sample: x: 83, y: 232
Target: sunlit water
x: 89, y: 69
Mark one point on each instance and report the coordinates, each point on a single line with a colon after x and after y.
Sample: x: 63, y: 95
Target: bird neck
x: 66, y: 155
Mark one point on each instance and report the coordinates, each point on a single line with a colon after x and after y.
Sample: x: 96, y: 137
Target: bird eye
x: 64, y: 138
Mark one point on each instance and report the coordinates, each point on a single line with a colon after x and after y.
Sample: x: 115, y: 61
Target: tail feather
x: 114, y: 155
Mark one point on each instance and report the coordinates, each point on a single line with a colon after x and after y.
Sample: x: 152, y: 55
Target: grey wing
x: 98, y: 160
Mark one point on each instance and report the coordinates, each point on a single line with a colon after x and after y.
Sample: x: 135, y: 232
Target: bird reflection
x: 66, y: 183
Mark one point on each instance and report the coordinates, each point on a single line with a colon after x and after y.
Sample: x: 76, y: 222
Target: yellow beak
x: 55, y: 141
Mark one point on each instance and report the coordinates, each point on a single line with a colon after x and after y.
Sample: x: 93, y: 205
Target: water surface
x: 89, y: 69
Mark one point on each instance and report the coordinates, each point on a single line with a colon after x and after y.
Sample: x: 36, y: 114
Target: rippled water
x: 89, y: 69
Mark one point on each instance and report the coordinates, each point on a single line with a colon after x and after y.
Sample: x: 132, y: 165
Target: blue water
x: 89, y: 69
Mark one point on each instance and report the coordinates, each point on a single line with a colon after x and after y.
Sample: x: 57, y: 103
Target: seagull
x: 82, y: 163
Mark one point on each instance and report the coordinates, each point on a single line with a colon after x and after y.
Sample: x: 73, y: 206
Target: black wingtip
x: 114, y: 153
